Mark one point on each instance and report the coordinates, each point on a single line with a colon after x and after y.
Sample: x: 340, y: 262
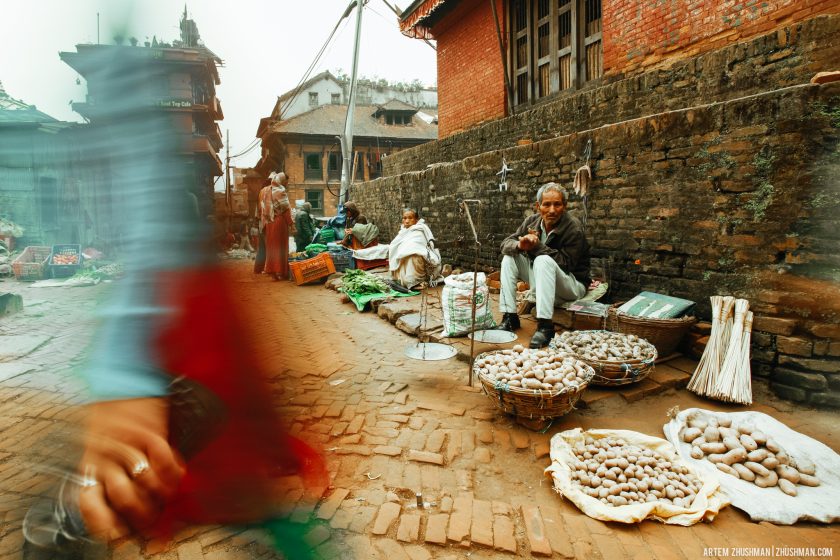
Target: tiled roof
x: 329, y: 120
x: 397, y: 105
x: 15, y: 111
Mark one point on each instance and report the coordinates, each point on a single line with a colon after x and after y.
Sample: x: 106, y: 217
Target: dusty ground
x: 389, y: 427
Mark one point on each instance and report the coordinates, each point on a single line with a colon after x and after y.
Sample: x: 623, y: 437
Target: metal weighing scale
x: 430, y: 351
x: 493, y: 336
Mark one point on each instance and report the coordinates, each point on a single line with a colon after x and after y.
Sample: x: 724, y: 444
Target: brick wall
x: 738, y: 198
x: 787, y: 57
x: 640, y: 34
x: 470, y: 72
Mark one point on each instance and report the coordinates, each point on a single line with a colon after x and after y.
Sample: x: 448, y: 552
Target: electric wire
x: 314, y: 63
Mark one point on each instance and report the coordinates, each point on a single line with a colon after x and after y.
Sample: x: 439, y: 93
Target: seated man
x: 550, y: 252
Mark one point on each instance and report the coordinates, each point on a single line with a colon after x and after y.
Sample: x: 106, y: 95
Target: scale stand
x: 428, y: 351
x: 464, y: 209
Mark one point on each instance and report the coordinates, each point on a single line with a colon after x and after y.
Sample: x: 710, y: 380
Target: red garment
x: 233, y: 479
x: 277, y: 245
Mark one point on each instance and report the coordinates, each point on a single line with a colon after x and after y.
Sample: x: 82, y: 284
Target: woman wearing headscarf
x: 276, y: 224
x: 354, y: 218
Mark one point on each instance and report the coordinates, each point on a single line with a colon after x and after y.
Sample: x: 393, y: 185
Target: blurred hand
x: 528, y: 242
x: 136, y: 470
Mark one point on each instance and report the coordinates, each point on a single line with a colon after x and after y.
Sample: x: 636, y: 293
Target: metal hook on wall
x: 587, y: 152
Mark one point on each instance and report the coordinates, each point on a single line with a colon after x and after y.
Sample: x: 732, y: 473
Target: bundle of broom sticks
x: 724, y: 369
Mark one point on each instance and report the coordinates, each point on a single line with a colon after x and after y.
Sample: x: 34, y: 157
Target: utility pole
x: 227, y: 174
x: 347, y: 138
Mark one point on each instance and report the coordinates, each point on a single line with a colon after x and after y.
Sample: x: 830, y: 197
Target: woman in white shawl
x: 412, y: 257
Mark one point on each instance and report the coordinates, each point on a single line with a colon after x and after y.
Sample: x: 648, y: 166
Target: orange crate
x: 30, y: 264
x: 312, y: 269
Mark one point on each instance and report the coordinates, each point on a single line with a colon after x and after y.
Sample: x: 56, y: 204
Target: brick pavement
x: 391, y: 428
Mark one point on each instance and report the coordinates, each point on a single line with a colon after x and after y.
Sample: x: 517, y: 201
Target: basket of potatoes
x: 617, y: 358
x: 533, y: 384
x: 625, y: 476
x: 771, y: 472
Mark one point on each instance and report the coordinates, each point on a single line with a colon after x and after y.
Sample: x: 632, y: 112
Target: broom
x: 726, y: 319
x: 725, y: 382
x: 742, y: 388
x: 709, y: 361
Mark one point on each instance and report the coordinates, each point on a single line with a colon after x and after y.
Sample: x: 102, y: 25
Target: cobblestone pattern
x: 390, y: 428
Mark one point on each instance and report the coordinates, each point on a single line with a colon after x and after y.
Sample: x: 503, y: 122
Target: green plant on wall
x: 762, y: 197
x: 830, y: 110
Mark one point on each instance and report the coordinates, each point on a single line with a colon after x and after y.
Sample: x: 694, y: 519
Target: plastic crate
x: 342, y: 260
x: 69, y: 259
x: 312, y: 269
x: 29, y: 265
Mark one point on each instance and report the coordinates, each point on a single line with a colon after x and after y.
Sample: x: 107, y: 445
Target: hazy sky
x: 266, y: 45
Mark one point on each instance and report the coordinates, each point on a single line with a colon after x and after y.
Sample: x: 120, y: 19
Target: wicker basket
x: 609, y: 374
x: 530, y: 403
x: 665, y: 334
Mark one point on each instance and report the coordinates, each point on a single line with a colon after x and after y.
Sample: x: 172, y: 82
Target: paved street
x: 389, y: 426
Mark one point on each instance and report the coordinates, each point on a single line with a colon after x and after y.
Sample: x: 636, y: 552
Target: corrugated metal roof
x: 329, y: 120
x: 15, y: 110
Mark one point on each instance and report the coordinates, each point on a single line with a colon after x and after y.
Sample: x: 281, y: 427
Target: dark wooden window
x: 375, y: 165
x: 334, y: 166
x: 335, y: 99
x: 315, y: 198
x: 313, y: 98
x: 555, y: 45
x: 312, y: 166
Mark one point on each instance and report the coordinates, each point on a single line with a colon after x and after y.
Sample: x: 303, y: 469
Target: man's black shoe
x: 510, y: 322
x: 544, y: 334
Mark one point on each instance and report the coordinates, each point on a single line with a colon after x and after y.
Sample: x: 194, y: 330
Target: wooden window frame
x: 310, y: 174
x: 334, y: 174
x: 530, y: 74
x: 319, y: 196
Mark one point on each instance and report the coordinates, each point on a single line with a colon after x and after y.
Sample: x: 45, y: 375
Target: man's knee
x: 543, y: 262
x: 508, y: 261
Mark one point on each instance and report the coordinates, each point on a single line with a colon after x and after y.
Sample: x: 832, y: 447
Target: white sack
x: 456, y: 300
x: 821, y: 503
x: 709, y: 501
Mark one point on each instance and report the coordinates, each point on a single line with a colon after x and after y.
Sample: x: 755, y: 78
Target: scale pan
x: 430, y: 351
x: 493, y: 336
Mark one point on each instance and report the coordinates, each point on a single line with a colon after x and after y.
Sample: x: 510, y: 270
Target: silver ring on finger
x: 139, y: 468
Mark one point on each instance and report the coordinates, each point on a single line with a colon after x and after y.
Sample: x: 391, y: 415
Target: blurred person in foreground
x: 180, y: 425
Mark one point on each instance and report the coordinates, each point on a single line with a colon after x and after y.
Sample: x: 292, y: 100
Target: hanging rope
x: 583, y: 176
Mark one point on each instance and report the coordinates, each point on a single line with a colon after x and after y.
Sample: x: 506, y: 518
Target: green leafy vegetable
x: 362, y: 282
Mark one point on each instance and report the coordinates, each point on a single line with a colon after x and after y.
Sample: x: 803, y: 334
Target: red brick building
x: 491, y: 65
x: 307, y: 148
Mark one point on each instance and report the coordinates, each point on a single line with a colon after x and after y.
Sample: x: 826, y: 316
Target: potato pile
x: 604, y: 346
x: 540, y: 370
x: 619, y: 474
x: 746, y: 453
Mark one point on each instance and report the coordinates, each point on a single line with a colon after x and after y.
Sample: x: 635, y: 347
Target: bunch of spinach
x: 362, y: 282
